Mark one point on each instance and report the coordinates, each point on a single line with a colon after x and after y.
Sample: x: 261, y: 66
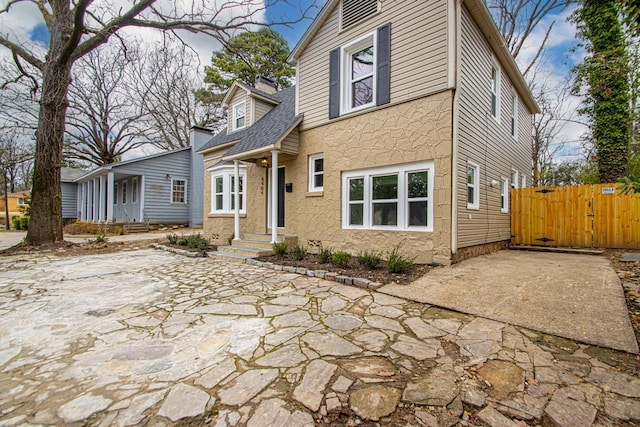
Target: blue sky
x: 282, y: 11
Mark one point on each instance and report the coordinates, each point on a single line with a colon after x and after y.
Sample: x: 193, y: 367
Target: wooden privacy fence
x: 587, y: 216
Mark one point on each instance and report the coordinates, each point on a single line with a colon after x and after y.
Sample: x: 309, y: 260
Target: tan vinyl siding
x: 260, y: 108
x: 418, y: 55
x: 239, y: 96
x: 486, y: 142
x: 291, y: 144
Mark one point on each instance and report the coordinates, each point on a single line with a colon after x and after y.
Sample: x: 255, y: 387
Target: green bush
x: 341, y: 258
x: 16, y: 223
x: 194, y: 241
x: 325, y: 255
x: 299, y: 252
x: 369, y: 260
x: 172, y: 238
x: 397, y: 261
x: 279, y: 248
x: 24, y: 223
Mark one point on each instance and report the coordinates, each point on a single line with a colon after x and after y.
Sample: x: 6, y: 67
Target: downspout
x: 456, y: 123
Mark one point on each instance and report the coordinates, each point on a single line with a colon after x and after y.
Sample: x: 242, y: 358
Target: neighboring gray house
x: 162, y: 188
x: 69, y: 189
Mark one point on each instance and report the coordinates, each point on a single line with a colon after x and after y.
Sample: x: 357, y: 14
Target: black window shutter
x: 334, y: 83
x: 383, y: 76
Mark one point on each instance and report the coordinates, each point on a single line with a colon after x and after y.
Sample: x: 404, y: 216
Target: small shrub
x: 196, y: 241
x: 172, y: 238
x: 183, y: 240
x: 16, y: 223
x: 24, y: 223
x: 279, y: 248
x: 397, y: 261
x: 369, y: 260
x: 101, y: 238
x: 118, y: 230
x: 341, y: 258
x: 325, y: 255
x: 299, y: 252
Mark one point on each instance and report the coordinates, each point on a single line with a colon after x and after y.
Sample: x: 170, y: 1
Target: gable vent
x: 354, y: 11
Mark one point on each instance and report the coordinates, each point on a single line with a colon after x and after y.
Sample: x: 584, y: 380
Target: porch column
x: 102, y: 206
x: 110, y: 197
x: 141, y: 197
x: 236, y: 199
x: 81, y: 201
x: 274, y: 196
x: 94, y: 216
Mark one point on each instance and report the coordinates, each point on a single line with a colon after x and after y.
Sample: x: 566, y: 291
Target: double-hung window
x: 223, y: 190
x: 391, y: 198
x: 359, y: 61
x: 514, y: 178
x: 239, y: 115
x: 473, y: 186
x: 316, y: 172
x: 179, y: 191
x: 504, y: 195
x: 495, y: 91
x: 124, y: 192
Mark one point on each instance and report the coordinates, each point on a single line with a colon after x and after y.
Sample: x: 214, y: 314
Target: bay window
x: 223, y: 187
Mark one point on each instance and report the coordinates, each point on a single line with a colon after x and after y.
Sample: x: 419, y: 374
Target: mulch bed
x: 381, y: 274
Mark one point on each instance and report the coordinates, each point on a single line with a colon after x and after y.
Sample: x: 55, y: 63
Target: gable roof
x: 71, y: 174
x: 263, y: 133
x: 483, y: 19
x: 257, y: 93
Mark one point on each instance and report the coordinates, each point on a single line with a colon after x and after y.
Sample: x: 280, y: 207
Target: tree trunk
x: 45, y: 225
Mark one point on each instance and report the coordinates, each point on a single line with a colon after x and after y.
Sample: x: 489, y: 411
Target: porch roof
x: 267, y: 131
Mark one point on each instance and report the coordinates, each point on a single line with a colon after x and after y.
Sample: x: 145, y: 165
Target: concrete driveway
x: 573, y: 296
x: 150, y: 338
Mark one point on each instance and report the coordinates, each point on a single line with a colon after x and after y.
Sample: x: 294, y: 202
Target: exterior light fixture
x: 264, y: 162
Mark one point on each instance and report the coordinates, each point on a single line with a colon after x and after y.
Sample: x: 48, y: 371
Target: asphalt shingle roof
x: 266, y: 131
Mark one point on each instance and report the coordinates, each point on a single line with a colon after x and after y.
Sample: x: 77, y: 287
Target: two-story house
x: 409, y: 123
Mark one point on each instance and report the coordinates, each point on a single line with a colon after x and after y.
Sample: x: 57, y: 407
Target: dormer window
x: 239, y: 115
x: 355, y: 11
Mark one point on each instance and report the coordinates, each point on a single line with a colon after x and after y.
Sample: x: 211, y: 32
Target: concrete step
x: 136, y: 227
x: 245, y: 250
x: 227, y: 256
x: 266, y: 238
x: 258, y: 244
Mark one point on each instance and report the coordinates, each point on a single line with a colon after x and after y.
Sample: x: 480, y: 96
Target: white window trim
x: 523, y: 181
x: 476, y: 186
x: 313, y: 173
x: 115, y: 194
x: 345, y: 70
x: 504, y: 194
x: 514, y: 178
x: 234, y: 118
x: 21, y: 201
x: 186, y: 187
x: 496, y: 93
x: 124, y: 192
x: 514, y: 116
x: 134, y: 190
x: 227, y: 172
x: 402, y: 215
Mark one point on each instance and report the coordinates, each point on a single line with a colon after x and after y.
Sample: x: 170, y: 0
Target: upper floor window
x: 514, y: 116
x: 354, y: 11
x: 358, y: 62
x: 495, y: 91
x: 179, y: 191
x: 392, y: 198
x: 316, y: 172
x: 239, y: 115
x: 473, y: 186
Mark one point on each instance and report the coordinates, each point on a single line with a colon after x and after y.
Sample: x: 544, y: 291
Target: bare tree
x: 104, y: 119
x: 16, y: 158
x: 164, y: 81
x: 77, y: 28
x: 518, y: 19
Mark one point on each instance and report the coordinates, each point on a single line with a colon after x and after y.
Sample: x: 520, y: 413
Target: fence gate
x: 584, y: 216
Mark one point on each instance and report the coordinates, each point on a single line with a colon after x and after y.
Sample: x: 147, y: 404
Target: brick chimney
x: 265, y: 84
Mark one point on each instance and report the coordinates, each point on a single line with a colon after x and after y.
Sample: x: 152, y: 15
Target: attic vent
x: 354, y: 11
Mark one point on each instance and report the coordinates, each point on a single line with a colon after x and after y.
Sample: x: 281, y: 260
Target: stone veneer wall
x: 419, y: 130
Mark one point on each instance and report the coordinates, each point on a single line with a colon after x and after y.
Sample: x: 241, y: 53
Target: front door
x: 281, y: 193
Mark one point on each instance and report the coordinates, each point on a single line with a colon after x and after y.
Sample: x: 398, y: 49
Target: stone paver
x: 152, y: 338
